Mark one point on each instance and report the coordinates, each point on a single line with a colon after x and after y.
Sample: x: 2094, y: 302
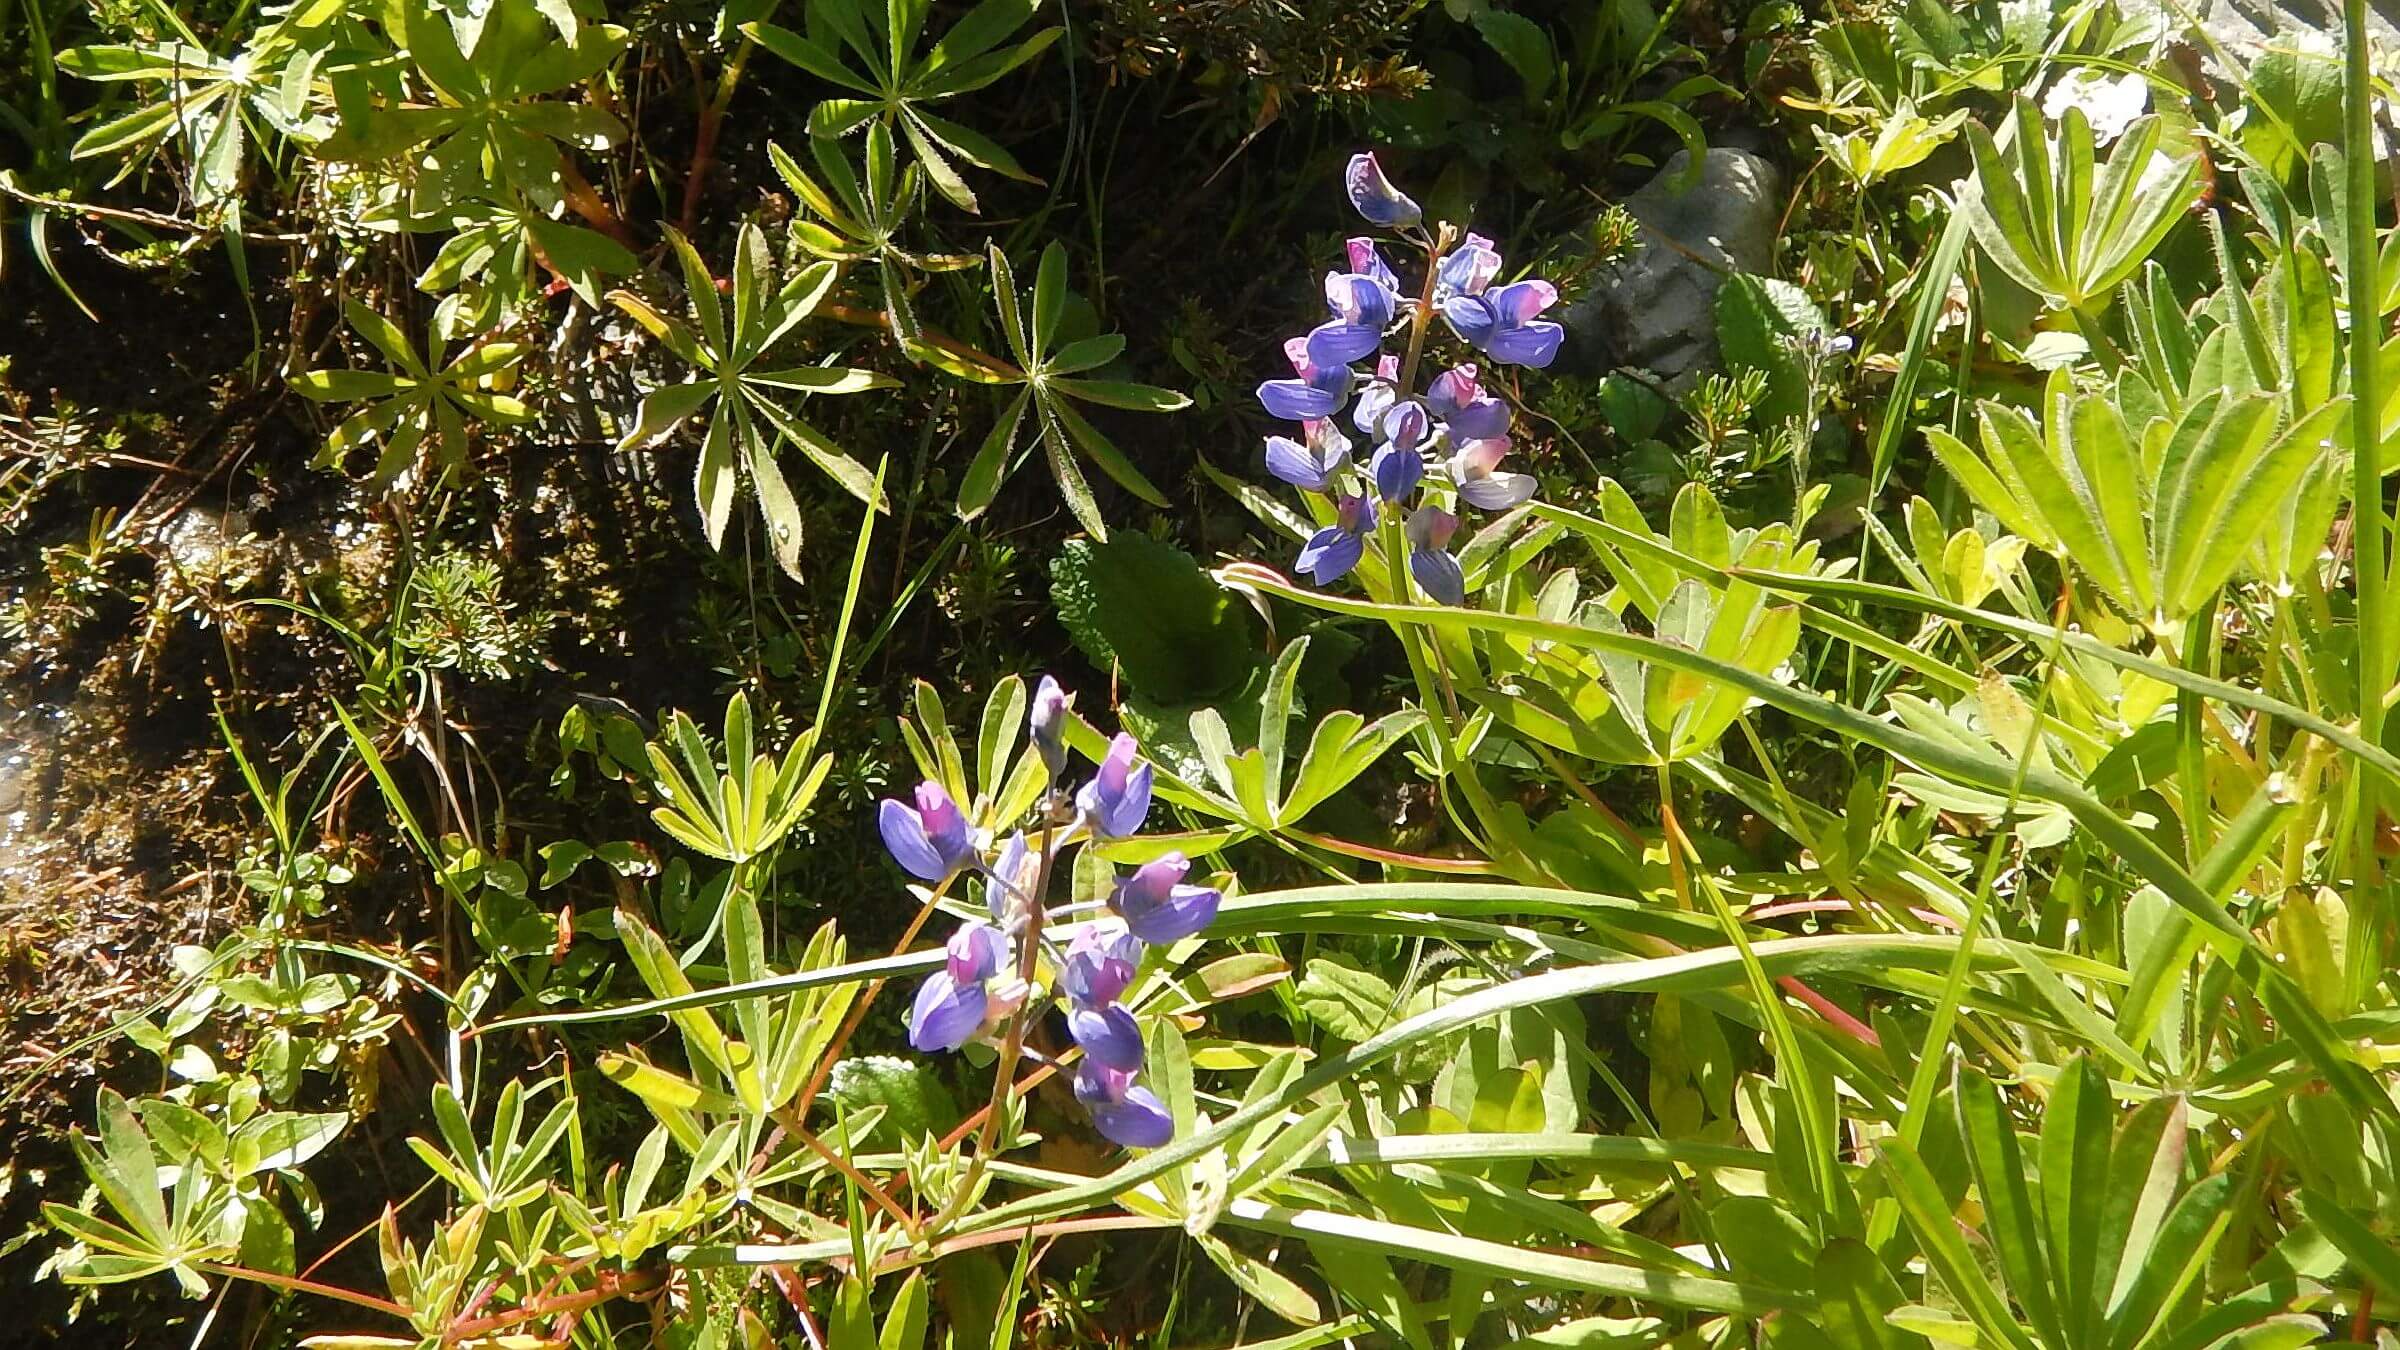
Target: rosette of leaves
x: 897, y: 83
x: 857, y: 221
x: 2157, y: 512
x: 216, y: 106
x: 745, y: 398
x: 477, y: 121
x: 2062, y: 227
x: 1051, y: 374
x: 423, y: 407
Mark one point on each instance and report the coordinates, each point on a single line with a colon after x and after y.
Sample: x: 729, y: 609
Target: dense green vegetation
x: 713, y: 673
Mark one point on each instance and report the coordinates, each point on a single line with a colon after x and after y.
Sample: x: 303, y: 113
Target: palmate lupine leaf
x: 1047, y: 372
x: 2064, y: 230
x: 420, y: 412
x: 896, y: 83
x: 745, y: 398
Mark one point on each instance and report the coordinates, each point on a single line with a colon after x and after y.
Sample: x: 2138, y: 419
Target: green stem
x: 2369, y: 526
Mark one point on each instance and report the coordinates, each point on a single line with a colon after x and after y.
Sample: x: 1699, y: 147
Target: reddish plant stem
x: 300, y: 1286
x: 612, y: 1284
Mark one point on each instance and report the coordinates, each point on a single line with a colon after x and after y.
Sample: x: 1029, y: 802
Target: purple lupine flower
x: 1049, y: 725
x: 1375, y: 197
x: 1157, y: 907
x: 1473, y: 470
x: 954, y: 1005
x: 1362, y: 308
x: 1126, y: 1113
x: 1456, y: 396
x: 1117, y: 799
x: 1467, y: 269
x: 1503, y: 323
x: 1012, y: 877
x: 1316, y: 464
x: 928, y: 838
x: 1100, y: 963
x: 1320, y: 391
x: 1429, y: 560
x: 1367, y: 260
x: 1377, y: 396
x: 1397, y: 467
x: 1331, y: 552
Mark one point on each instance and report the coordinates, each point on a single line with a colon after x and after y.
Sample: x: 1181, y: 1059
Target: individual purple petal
x: 1439, y: 574
x: 1470, y: 318
x: 1406, y: 426
x: 904, y: 835
x: 944, y: 826
x: 1329, y: 555
x: 1453, y: 390
x: 1124, y: 1111
x: 1467, y: 269
x: 1012, y: 877
x: 1374, y: 400
x: 1522, y: 301
x: 945, y: 1015
x: 1297, y: 400
x: 1049, y: 725
x: 1117, y: 799
x: 1360, y: 298
x: 1100, y: 964
x: 1139, y: 1121
x: 1331, y: 552
x: 1480, y: 420
x: 1497, y: 491
x: 1367, y: 260
x: 1431, y: 527
x: 1329, y: 347
x: 1532, y: 344
x: 975, y: 953
x: 1108, y: 1034
x: 1374, y: 196
x: 1396, y: 472
x: 1337, y: 343
x: 1355, y: 513
x: 1290, y: 461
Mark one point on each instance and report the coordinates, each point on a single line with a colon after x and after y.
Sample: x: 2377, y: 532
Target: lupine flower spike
x: 1446, y: 440
x: 985, y: 977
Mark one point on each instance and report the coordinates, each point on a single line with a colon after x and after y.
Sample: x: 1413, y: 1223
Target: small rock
x: 1656, y: 310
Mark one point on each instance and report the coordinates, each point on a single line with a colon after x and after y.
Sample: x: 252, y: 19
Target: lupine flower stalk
x: 1448, y: 438
x: 991, y: 980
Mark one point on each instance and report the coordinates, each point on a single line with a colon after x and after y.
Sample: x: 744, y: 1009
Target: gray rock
x: 1655, y: 310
